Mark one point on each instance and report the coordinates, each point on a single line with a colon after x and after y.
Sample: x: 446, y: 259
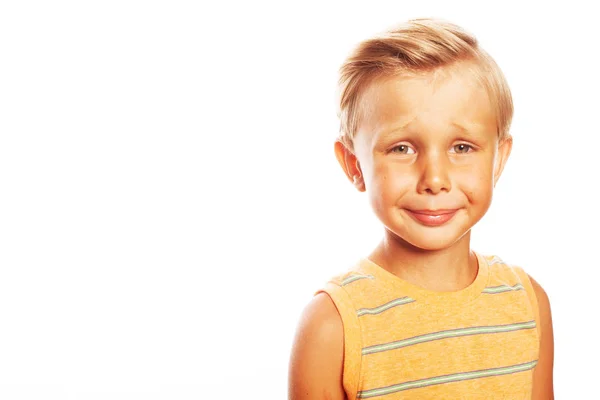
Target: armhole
x: 532, y: 298
x: 352, y: 337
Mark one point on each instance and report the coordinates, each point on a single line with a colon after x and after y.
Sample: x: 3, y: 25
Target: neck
x: 445, y: 270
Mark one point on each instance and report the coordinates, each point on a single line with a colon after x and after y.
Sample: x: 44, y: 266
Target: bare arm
x: 317, y: 358
x: 543, y: 387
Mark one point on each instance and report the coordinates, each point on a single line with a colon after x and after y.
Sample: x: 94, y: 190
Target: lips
x: 432, y: 217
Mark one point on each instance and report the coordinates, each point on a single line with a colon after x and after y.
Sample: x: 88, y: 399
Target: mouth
x: 432, y: 217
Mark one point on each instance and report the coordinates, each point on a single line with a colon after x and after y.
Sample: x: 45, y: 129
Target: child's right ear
x: 349, y: 164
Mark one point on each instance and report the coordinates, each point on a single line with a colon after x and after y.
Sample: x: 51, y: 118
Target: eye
x: 462, y: 148
x: 403, y: 149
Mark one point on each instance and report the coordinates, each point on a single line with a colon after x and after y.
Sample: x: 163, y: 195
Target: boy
x: 425, y: 116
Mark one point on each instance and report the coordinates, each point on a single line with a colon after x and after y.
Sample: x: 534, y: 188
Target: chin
x: 433, y: 242
x: 431, y: 238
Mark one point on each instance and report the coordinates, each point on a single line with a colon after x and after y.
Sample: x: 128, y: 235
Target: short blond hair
x: 417, y: 46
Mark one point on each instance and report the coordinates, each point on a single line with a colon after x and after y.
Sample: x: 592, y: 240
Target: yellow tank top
x: 404, y: 342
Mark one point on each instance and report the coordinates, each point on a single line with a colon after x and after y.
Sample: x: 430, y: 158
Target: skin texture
x: 425, y: 142
x: 318, y: 353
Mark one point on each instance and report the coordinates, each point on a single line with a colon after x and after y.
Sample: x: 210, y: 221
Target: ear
x: 504, y: 149
x: 349, y: 164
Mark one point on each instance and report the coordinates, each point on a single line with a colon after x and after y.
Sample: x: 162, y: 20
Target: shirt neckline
x: 423, y: 295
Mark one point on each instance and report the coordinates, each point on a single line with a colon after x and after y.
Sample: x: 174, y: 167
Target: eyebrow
x: 385, y: 134
x: 475, y: 132
x: 464, y: 130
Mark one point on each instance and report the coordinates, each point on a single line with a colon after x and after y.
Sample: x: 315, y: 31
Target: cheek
x: 478, y: 187
x: 388, y: 184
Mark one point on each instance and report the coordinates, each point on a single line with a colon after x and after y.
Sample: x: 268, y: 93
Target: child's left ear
x: 504, y: 149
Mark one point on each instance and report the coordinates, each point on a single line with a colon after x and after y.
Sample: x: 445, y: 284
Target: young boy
x: 425, y: 116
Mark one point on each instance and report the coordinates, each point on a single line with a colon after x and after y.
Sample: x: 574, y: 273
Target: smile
x: 432, y: 217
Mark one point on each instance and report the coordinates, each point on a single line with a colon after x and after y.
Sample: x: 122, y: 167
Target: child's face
x: 428, y: 155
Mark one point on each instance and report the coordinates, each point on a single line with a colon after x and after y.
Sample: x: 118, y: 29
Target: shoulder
x: 504, y: 273
x: 316, y: 362
x: 516, y: 276
x: 543, y: 372
x: 501, y: 271
x: 321, y: 318
x: 542, y: 299
x: 356, y: 273
x: 543, y: 308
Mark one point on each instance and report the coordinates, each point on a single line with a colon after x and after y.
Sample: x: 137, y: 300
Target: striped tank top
x: 404, y: 342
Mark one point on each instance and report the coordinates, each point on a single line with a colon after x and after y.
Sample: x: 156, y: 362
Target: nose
x: 434, y: 174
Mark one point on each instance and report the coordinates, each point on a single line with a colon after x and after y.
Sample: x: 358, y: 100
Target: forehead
x: 441, y: 100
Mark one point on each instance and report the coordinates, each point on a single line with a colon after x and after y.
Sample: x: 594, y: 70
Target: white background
x: 170, y: 200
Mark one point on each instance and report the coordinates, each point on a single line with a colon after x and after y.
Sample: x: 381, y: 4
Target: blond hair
x: 417, y: 46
